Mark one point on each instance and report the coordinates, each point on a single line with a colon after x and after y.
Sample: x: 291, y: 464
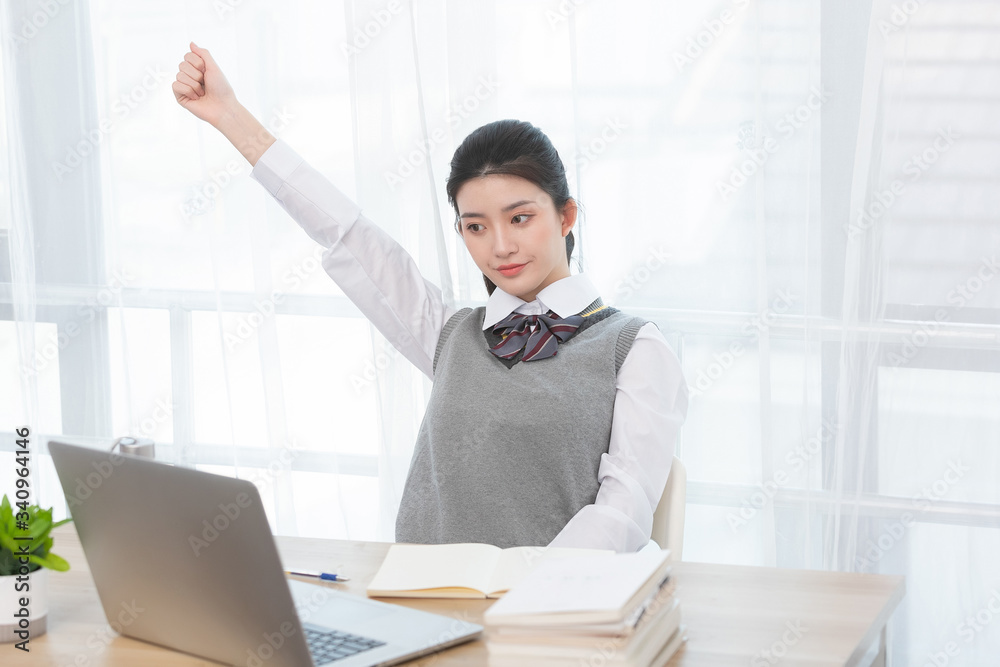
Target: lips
x: 510, y: 269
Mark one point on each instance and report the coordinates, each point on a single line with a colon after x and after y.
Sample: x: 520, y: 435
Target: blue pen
x: 325, y: 576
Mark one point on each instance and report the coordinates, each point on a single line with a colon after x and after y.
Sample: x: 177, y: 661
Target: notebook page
x: 598, y: 583
x: 516, y: 562
x: 426, y: 566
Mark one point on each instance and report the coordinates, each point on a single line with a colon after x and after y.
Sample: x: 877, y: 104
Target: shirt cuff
x: 601, y: 527
x: 275, y: 166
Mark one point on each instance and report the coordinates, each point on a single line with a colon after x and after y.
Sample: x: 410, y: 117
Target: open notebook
x: 459, y: 570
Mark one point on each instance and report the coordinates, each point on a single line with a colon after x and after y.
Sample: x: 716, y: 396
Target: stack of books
x: 608, y: 609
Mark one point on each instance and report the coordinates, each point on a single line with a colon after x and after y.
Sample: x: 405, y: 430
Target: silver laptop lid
x: 180, y: 557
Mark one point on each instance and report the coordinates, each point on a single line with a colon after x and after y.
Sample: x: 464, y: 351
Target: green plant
x: 39, y: 523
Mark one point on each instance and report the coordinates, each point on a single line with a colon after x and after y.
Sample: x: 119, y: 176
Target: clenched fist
x: 201, y: 87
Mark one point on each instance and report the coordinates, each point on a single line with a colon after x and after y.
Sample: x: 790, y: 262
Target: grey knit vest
x: 509, y: 451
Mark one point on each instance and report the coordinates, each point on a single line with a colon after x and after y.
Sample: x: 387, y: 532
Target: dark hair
x: 514, y: 148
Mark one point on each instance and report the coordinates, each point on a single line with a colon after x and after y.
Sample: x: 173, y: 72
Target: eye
x: 469, y: 227
x: 525, y: 217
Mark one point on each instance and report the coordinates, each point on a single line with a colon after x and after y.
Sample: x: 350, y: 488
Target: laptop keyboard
x: 327, y: 645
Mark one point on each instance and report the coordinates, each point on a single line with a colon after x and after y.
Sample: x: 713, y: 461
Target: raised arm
x: 373, y: 270
x: 202, y: 89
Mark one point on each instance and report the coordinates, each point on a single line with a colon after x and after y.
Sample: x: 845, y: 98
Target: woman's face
x: 514, y: 233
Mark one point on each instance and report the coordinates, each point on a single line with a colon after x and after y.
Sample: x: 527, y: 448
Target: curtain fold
x: 52, y: 135
x: 20, y: 236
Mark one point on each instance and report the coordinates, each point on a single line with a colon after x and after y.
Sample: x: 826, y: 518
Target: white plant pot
x: 37, y: 597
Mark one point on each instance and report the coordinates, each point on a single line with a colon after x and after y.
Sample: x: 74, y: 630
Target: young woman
x: 553, y: 418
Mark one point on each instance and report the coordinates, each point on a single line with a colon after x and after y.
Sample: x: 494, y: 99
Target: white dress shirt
x: 381, y: 278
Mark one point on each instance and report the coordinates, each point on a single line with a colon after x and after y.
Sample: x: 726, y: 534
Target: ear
x: 568, y: 216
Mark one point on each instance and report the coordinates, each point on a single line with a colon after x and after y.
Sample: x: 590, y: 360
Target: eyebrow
x: 509, y: 207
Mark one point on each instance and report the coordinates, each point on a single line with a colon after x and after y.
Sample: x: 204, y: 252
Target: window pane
x: 222, y: 367
x: 723, y: 415
x: 938, y: 434
x: 44, y: 367
x: 142, y: 396
x: 328, y: 372
x: 337, y: 506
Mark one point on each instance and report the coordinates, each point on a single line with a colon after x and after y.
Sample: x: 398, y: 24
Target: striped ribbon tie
x: 538, y: 335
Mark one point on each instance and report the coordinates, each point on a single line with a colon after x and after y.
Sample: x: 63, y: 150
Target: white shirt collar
x: 565, y: 297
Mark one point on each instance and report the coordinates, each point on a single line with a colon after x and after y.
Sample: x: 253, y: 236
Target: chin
x: 517, y: 284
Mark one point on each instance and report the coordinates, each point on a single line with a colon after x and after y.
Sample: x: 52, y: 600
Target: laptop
x: 185, y: 559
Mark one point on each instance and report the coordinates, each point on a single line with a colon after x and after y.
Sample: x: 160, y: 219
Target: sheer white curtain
x: 801, y: 194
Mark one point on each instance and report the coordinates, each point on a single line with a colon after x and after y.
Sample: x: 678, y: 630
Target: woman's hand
x: 201, y: 87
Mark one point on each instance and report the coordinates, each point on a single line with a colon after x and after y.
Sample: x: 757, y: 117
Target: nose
x: 504, y: 243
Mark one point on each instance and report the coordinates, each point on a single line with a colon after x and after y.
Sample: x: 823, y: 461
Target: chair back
x: 668, y: 519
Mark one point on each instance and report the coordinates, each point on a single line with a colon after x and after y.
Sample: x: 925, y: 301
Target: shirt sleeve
x: 371, y: 268
x: 651, y: 401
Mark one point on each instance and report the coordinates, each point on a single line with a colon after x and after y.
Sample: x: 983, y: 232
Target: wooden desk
x: 732, y: 613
